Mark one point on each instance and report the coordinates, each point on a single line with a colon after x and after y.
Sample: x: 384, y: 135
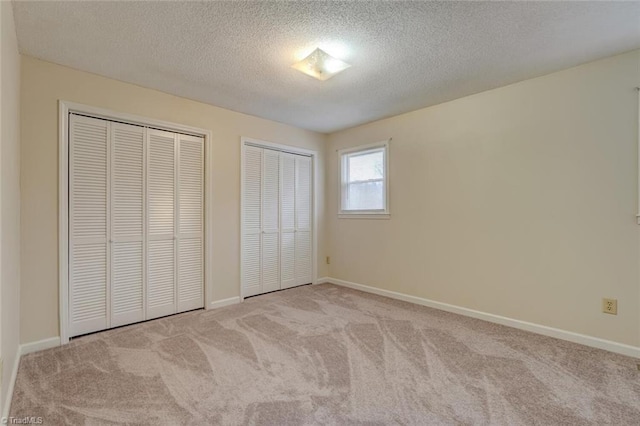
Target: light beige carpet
x: 325, y: 355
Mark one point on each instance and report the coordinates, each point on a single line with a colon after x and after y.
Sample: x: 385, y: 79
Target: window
x: 364, y: 177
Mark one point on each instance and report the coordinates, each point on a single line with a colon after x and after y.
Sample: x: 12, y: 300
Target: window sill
x: 364, y: 216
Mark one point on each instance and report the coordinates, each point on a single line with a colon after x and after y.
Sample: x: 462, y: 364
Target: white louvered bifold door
x: 161, y: 211
x: 136, y: 223
x: 88, y: 225
x: 190, y: 223
x: 288, y: 219
x: 252, y: 222
x: 127, y: 224
x: 277, y: 220
x: 303, y: 215
x: 270, y: 221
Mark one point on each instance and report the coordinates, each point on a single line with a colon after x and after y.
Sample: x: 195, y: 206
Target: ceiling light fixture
x: 319, y: 64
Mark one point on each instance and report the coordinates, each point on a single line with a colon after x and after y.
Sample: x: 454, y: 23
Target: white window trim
x: 364, y: 214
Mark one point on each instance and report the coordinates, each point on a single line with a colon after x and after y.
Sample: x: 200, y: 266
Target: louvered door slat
x: 252, y: 189
x: 127, y: 224
x: 271, y: 191
x: 303, y: 260
x: 127, y: 305
x: 88, y: 225
x: 190, y: 274
x: 161, y: 183
x: 271, y: 221
x: 161, y: 278
x: 251, y: 265
x: 89, y: 289
x: 190, y: 282
x: 88, y: 170
x: 252, y: 222
x: 161, y: 206
x: 287, y: 212
x: 303, y: 268
x: 190, y: 184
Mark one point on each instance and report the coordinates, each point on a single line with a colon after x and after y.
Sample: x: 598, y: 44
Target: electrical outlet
x: 328, y: 260
x: 610, y: 306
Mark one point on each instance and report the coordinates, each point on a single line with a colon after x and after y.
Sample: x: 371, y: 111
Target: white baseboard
x: 40, y: 345
x: 321, y: 280
x: 12, y: 382
x: 23, y: 349
x: 583, y: 339
x: 224, y: 302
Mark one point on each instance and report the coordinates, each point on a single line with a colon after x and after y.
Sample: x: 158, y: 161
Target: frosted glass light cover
x: 319, y: 64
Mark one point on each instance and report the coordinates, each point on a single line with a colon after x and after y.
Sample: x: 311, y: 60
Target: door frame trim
x: 64, y: 109
x: 247, y: 141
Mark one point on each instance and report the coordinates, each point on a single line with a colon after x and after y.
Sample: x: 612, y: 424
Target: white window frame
x: 343, y: 155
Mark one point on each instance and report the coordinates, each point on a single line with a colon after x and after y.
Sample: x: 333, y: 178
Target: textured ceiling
x: 404, y: 55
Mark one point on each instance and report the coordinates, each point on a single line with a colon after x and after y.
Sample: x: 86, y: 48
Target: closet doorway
x: 134, y: 219
x: 277, y: 217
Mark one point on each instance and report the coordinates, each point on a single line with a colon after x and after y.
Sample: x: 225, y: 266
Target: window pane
x: 366, y: 166
x: 365, y: 196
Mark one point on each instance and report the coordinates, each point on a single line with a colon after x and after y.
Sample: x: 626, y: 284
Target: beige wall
x: 518, y: 201
x: 9, y: 195
x: 43, y: 84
